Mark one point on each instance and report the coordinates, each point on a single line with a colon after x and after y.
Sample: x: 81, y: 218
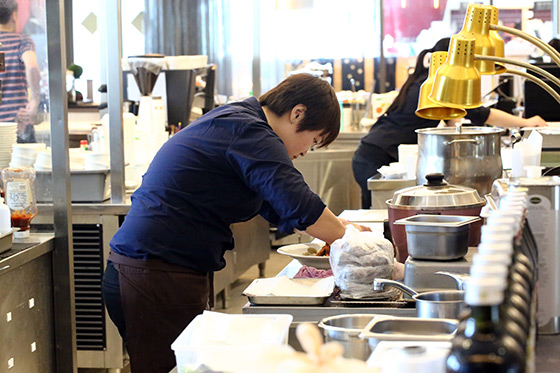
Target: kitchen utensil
x: 390, y: 328
x: 446, y: 304
x: 289, y: 291
x: 460, y: 278
x: 437, y: 237
x: 436, y: 197
x: 346, y: 329
x: 296, y: 251
x: 469, y: 157
x: 6, y: 240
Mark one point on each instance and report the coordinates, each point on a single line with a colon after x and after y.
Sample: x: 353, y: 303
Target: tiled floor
x: 236, y: 301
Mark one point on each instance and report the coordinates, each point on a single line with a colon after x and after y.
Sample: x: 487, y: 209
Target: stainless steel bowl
x: 346, y: 329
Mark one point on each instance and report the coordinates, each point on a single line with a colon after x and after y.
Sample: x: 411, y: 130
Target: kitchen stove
x: 421, y: 274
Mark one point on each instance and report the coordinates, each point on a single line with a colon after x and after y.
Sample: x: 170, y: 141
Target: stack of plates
x: 8, y: 137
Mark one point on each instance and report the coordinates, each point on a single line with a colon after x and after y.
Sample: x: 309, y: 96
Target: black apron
x: 158, y: 300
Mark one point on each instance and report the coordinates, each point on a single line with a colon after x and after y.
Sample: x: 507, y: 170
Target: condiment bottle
x: 483, y: 347
x: 19, y: 186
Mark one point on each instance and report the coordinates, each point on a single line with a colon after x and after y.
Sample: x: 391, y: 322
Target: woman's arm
x: 502, y: 119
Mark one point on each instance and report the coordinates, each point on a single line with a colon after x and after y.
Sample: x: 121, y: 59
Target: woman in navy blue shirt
x: 226, y: 167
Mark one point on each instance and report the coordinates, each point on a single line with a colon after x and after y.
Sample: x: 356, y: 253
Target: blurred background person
x: 555, y: 43
x: 21, y: 78
x: 379, y: 147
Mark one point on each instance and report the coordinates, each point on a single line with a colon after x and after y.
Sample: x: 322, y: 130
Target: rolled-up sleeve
x: 478, y: 116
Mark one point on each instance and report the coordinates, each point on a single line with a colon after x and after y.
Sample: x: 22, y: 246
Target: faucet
x: 460, y: 278
x: 380, y: 283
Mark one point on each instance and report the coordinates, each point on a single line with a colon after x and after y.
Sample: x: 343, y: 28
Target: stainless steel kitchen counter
x: 547, y: 348
x: 26, y: 250
x: 97, y: 208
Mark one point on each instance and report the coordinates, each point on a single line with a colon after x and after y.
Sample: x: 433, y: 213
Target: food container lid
x: 445, y: 221
x: 437, y: 193
x: 467, y: 130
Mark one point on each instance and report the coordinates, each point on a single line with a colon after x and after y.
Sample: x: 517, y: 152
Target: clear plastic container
x: 228, y: 343
x: 19, y: 190
x: 5, y: 223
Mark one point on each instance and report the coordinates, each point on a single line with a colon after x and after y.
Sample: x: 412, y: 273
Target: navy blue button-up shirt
x: 224, y: 168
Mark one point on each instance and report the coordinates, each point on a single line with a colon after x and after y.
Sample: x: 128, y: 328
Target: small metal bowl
x: 346, y: 329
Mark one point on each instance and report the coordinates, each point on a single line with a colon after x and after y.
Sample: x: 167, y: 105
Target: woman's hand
x: 535, y: 121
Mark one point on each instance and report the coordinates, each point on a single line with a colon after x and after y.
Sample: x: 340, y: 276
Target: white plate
x: 296, y: 251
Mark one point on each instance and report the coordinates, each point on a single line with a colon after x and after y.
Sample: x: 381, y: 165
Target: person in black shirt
x: 397, y: 126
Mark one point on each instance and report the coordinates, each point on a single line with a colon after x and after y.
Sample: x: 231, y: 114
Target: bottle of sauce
x: 482, y: 347
x: 19, y: 189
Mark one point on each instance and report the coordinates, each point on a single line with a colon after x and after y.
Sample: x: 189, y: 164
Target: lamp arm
x: 553, y: 53
x: 528, y: 66
x: 537, y: 81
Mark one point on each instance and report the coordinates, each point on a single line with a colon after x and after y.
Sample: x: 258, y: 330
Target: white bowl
x: 297, y: 251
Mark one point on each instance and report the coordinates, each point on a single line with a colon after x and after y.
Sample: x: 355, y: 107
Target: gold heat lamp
x: 428, y: 109
x: 478, y: 49
x: 477, y: 27
x: 457, y: 81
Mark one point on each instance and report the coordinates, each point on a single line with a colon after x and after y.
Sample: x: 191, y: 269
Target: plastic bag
x: 359, y: 257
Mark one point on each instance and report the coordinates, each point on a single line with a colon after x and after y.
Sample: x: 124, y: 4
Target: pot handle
x: 380, y: 283
x: 476, y: 142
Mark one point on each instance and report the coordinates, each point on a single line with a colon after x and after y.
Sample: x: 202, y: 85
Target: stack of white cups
x: 495, y: 251
x: 24, y: 155
x: 43, y: 161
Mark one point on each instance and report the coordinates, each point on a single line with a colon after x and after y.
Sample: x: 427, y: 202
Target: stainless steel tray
x: 392, y: 298
x: 260, y: 292
x: 388, y: 328
x: 437, y: 221
x: 272, y: 300
x: 6, y: 240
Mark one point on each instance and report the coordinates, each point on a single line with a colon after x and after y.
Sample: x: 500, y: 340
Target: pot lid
x: 467, y: 130
x: 437, y: 193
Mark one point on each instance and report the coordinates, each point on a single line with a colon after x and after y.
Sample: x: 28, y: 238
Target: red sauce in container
x: 21, y: 220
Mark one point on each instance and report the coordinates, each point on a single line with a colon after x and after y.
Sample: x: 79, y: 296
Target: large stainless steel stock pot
x: 467, y: 156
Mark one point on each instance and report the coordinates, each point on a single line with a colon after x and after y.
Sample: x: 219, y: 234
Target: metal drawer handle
x: 476, y: 142
x: 5, y: 267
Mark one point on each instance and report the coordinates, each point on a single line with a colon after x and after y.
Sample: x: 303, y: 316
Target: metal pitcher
x: 468, y: 156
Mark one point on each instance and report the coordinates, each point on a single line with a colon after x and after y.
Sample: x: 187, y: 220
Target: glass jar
x: 19, y: 190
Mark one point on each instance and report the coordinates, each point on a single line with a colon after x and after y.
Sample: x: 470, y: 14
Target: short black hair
x: 7, y: 8
x: 319, y: 98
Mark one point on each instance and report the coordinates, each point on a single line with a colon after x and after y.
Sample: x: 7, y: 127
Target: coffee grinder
x: 151, y: 125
